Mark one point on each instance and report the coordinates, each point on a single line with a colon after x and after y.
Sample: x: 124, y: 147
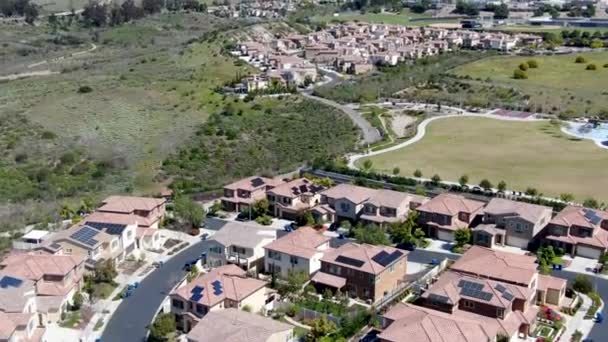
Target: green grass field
x: 403, y: 18
x: 558, y: 84
x: 523, y: 154
x: 542, y: 29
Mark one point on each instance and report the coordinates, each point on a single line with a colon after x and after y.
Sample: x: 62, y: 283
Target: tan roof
x: 303, y: 243
x: 414, y: 323
x: 244, y: 235
x: 235, y: 285
x: 394, y: 199
x: 250, y: 183
x: 101, y: 237
x: 128, y: 204
x: 14, y: 298
x: 363, y: 253
x: 234, y: 325
x: 295, y: 188
x: 529, y: 212
x: 354, y: 193
x: 450, y: 204
x: 497, y: 265
x: 7, y: 326
x: 35, y: 266
x: 549, y: 282
x: 329, y: 279
x: 107, y: 217
x: 575, y: 216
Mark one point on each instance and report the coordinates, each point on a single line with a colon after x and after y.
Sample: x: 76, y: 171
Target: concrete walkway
x: 578, y: 322
x: 296, y: 323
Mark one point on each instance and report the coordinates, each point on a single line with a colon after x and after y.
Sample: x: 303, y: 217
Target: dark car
x: 408, y: 246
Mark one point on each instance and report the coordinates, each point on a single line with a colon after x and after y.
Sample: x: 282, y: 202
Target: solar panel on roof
x: 55, y: 245
x: 85, y: 235
x: 7, y: 281
x: 257, y: 182
x: 500, y: 288
x: 595, y: 219
x: 349, y: 261
x: 385, y: 259
x: 438, y: 298
x: 196, y: 297
x: 470, y: 285
x: 507, y: 295
x: 486, y: 296
x: 110, y: 228
x: 197, y: 289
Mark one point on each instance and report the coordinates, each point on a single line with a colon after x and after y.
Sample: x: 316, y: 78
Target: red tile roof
x: 363, y: 253
x: 498, y: 265
x: 303, y: 243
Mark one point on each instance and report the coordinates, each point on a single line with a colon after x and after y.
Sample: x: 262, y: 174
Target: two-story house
x: 240, y: 195
x: 388, y: 206
x: 236, y: 325
x: 300, y: 251
x: 147, y: 211
x: 224, y: 287
x: 239, y: 243
x: 124, y: 227
x: 579, y: 231
x: 346, y: 201
x: 55, y: 279
x: 364, y: 271
x: 291, y: 199
x: 442, y: 215
x: 18, y: 311
x: 510, y: 223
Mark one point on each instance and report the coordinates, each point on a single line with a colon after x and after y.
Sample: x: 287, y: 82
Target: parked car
x: 407, y: 246
x: 204, y: 236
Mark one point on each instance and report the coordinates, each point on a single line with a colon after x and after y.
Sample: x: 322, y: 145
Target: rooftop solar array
x: 469, y: 292
x: 8, y: 281
x: 257, y: 182
x: 349, y: 261
x: 197, y: 293
x: 217, y: 288
x: 592, y: 216
x: 438, y: 298
x: 385, y: 259
x: 507, y: 295
x: 55, y: 245
x: 86, y: 235
x: 111, y: 228
x: 465, y: 284
x: 500, y: 288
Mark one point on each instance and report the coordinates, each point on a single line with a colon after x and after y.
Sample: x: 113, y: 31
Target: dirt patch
x: 400, y: 122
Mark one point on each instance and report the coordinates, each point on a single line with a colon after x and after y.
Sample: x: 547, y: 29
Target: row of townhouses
x: 579, y: 231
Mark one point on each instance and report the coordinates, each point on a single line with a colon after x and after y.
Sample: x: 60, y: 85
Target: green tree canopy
x: 189, y: 211
x: 371, y: 234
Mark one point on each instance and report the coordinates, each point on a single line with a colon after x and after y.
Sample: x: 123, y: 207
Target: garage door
x: 588, y: 252
x: 517, y: 242
x: 445, y: 235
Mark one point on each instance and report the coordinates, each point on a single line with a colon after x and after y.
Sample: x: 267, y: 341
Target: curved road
x: 130, y: 321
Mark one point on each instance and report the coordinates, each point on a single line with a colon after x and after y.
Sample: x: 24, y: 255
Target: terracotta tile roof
x: 7, y: 326
x: 490, y: 229
x: 549, y: 282
x: 529, y: 212
x: 244, y: 235
x: 363, y: 253
x: 296, y: 188
x: 329, y: 279
x: 128, y: 204
x: 14, y: 298
x: 234, y: 325
x: 394, y: 199
x: 35, y: 266
x: 235, y: 285
x: 106, y: 217
x: 497, y: 265
x: 251, y: 183
x: 303, y: 243
x: 575, y: 216
x: 450, y: 205
x: 413, y: 323
x: 354, y: 193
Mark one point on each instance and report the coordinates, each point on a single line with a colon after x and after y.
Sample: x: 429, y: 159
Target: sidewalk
x: 577, y: 322
x: 440, y: 246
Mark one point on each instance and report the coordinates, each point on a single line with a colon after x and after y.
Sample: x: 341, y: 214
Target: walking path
x: 578, y: 321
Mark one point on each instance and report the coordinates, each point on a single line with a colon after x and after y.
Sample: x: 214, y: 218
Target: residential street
x: 129, y: 322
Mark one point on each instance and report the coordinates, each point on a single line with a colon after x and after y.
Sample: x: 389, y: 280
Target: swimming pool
x: 586, y: 131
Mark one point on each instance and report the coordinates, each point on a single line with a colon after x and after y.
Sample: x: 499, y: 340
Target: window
x: 239, y: 250
x: 274, y: 268
x: 286, y: 200
x: 274, y: 255
x: 344, y: 206
x: 69, y: 251
x: 392, y: 268
x: 176, y: 303
x: 270, y: 198
x: 201, y: 309
x: 468, y: 304
x: 500, y: 312
x: 129, y: 234
x: 519, y: 228
x: 215, y: 250
x: 293, y: 259
x: 334, y: 269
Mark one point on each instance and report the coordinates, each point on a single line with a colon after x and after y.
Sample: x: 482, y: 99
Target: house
x: 405, y: 322
x: 300, y: 250
x: 510, y: 268
x: 53, y: 278
x: 18, y: 327
x: 579, y: 231
x: 388, y: 206
x: 18, y: 310
x: 122, y: 226
x: 510, y: 223
x: 346, y: 200
x: 148, y: 212
x: 235, y: 325
x: 31, y: 240
x: 240, y: 195
x: 444, y: 214
x: 239, y: 243
x: 291, y: 199
x: 221, y: 288
x: 364, y: 271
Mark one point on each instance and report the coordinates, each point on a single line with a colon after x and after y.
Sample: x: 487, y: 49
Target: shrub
x: 582, y: 284
x: 48, y: 135
x: 264, y: 220
x: 523, y: 66
x: 84, y: 89
x: 591, y: 67
x: 519, y: 74
x: 533, y: 64
x: 580, y: 59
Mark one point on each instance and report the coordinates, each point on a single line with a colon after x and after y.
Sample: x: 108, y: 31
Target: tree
x: 591, y: 67
x: 596, y: 44
x: 582, y: 284
x: 462, y: 236
x: 295, y: 283
x: 105, y: 272
x: 501, y: 11
x: 367, y: 165
x: 192, y: 274
x: 260, y: 208
x: 519, y: 74
x: 417, y: 173
x: 402, y: 232
x: 580, y: 59
x: 95, y: 14
x: 591, y: 203
x: 545, y: 255
x: 531, y: 192
x: 152, y: 6
x: 523, y: 66
x: 502, y: 186
x: 371, y: 234
x: 566, y: 197
x: 320, y: 328
x: 396, y: 171
x: 129, y: 11
x: 421, y: 6
x: 306, y: 219
x: 466, y: 7
x: 463, y: 180
x: 189, y: 211
x: 532, y: 63
x: 30, y: 12
x: 77, y: 301
x: 88, y: 288
x: 163, y: 325
x: 435, y: 179
x: 486, y: 184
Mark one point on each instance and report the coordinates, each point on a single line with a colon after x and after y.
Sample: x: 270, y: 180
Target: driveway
x: 129, y: 322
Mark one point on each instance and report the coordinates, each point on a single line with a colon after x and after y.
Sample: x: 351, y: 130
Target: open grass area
x: 523, y: 154
x: 403, y: 18
x: 543, y: 29
x: 557, y: 85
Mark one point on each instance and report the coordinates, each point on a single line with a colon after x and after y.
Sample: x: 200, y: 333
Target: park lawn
x: 523, y: 154
x: 558, y: 84
x: 403, y: 18
x: 543, y: 29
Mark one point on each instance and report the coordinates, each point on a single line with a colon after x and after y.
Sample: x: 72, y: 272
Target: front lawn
x: 523, y: 154
x: 103, y: 290
x: 71, y: 319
